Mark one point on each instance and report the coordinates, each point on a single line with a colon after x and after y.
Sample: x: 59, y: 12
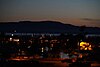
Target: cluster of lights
x: 85, y: 46
x: 16, y: 40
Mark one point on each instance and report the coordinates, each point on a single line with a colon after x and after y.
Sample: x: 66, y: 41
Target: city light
x: 71, y: 49
x: 85, y: 46
x: 42, y: 49
x: 16, y: 40
x: 10, y: 39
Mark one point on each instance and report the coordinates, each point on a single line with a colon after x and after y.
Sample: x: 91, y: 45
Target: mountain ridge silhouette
x: 45, y: 27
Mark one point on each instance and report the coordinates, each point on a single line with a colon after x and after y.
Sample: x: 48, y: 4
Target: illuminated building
x: 85, y: 46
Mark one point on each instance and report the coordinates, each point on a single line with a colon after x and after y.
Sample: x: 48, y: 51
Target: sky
x: 76, y: 12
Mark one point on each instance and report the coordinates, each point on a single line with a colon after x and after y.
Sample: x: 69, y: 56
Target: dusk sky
x: 76, y: 12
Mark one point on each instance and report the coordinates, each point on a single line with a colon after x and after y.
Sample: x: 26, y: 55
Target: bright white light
x: 12, y: 34
x: 10, y: 39
x: 16, y: 40
x: 42, y: 49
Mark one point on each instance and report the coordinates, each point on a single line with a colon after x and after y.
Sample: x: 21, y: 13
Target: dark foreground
x: 36, y: 63
x: 14, y: 63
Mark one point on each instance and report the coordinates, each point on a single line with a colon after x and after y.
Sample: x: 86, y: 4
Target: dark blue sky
x: 66, y: 11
